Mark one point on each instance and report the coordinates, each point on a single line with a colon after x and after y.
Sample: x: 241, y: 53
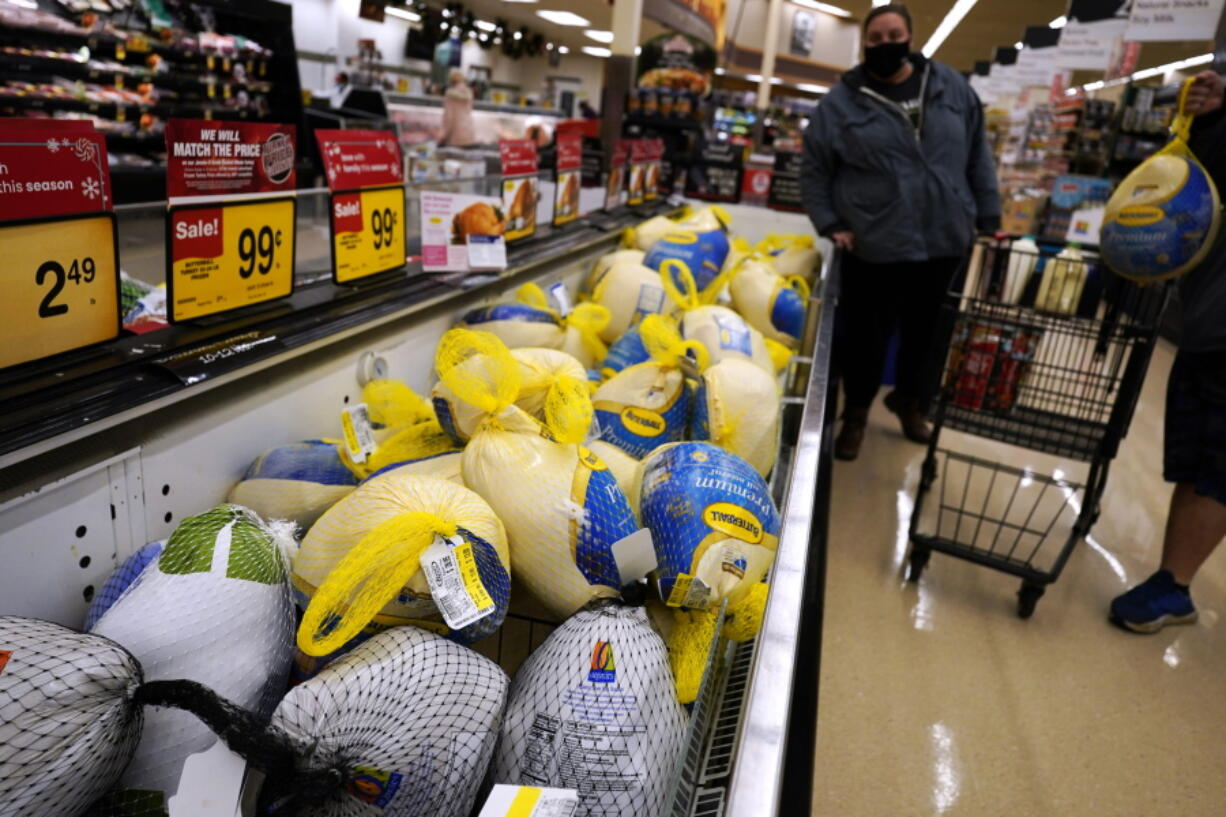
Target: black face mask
x: 886, y: 59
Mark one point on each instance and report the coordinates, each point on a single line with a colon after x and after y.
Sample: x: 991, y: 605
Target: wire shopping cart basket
x: 1047, y: 351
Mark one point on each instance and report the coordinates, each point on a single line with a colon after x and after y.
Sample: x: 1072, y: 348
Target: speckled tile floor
x: 936, y: 699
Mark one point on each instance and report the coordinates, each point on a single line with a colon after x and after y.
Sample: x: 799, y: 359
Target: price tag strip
x: 368, y: 233
x: 221, y: 257
x: 450, y: 568
x: 63, y: 285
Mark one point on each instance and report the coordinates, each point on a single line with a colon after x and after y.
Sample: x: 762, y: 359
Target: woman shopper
x: 898, y: 174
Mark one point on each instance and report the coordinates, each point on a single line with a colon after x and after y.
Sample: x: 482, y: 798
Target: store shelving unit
x: 129, y: 75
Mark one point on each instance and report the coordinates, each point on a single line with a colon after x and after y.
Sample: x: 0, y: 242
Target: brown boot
x: 914, y: 424
x: 851, y: 435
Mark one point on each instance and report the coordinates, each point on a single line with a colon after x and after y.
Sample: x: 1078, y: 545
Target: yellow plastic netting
x: 561, y: 509
x: 415, y: 442
x: 392, y: 404
x: 362, y: 558
x: 666, y: 346
x: 742, y: 411
x: 688, y: 647
x: 678, y: 281
x: 629, y: 291
x: 366, y: 579
x: 780, y: 355
x: 584, y: 324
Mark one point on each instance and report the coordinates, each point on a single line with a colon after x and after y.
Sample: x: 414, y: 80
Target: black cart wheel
x: 916, y: 562
x: 1027, y: 598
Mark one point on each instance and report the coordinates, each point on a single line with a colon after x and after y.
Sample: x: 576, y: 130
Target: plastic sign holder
x: 519, y: 187
x: 230, y: 231
x: 58, y: 232
x: 365, y: 173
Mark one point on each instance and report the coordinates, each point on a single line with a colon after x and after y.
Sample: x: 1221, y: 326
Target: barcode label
x: 359, y: 438
x: 455, y: 584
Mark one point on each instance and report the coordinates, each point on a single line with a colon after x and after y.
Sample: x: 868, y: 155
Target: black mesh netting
x: 67, y: 722
x: 404, y: 725
x: 594, y: 709
x: 411, y: 717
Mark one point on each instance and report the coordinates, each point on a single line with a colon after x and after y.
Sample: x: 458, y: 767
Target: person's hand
x: 1205, y: 96
x: 844, y: 240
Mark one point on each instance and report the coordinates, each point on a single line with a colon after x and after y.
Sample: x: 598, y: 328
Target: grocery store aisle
x: 937, y: 699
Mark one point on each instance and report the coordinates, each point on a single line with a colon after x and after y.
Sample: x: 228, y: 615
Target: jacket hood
x: 858, y: 76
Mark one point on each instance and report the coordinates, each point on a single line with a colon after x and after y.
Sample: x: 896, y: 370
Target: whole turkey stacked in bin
x: 548, y: 442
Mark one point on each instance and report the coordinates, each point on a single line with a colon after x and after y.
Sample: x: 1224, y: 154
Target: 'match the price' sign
x: 365, y: 173
x: 61, y: 270
x: 230, y: 230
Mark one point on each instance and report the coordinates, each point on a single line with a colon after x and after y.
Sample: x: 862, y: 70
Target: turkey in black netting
x: 594, y: 709
x: 408, y: 719
x: 68, y: 724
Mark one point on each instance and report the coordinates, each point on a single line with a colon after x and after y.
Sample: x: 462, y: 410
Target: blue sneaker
x: 1152, y: 605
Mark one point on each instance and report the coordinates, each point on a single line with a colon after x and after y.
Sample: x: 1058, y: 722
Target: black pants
x: 876, y: 299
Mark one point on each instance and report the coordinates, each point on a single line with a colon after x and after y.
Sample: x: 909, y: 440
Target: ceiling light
x: 497, y: 41
x: 754, y: 77
x: 826, y: 7
x: 1019, y: 45
x: 776, y: 81
x: 25, y: 4
x: 404, y: 14
x: 519, y: 35
x: 519, y: 1
x: 720, y: 71
x: 880, y: 3
x: 811, y: 88
x: 563, y: 49
x: 1059, y: 22
x: 597, y: 51
x: 563, y: 18
x: 638, y: 49
x: 1146, y: 73
x: 960, y: 9
x: 485, y: 25
x: 598, y: 35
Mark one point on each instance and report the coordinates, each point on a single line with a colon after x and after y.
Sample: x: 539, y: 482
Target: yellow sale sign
x: 62, y: 286
x: 227, y: 256
x: 368, y: 234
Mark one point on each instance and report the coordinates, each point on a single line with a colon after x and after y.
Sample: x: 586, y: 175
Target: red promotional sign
x: 518, y: 157
x: 757, y: 182
x: 231, y: 159
x: 640, y: 151
x: 360, y: 158
x: 570, y: 153
x: 52, y: 169
x: 621, y: 152
x: 197, y: 233
x: 347, y: 212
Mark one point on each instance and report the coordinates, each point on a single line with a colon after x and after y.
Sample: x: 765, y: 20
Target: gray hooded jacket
x: 907, y: 195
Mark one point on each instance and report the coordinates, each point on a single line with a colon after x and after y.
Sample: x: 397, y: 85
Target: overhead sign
x: 1165, y: 20
x: 229, y: 235
x: 701, y: 19
x: 1036, y: 66
x: 367, y: 219
x: 58, y: 234
x: 1088, y: 46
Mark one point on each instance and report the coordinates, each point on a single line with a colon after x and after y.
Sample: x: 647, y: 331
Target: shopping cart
x: 1046, y: 351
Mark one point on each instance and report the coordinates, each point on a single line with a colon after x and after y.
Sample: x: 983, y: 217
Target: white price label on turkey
x: 359, y: 436
x: 530, y: 801
x: 450, y: 568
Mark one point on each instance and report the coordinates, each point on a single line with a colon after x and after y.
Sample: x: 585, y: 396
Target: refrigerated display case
x: 106, y: 449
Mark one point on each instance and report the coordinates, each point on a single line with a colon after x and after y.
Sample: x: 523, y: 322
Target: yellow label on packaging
x: 681, y: 589
x: 643, y: 422
x: 229, y: 256
x: 120, y: 52
x: 525, y: 802
x: 368, y: 233
x: 351, y: 439
x: 734, y: 521
x: 472, y: 579
x: 62, y: 286
x: 119, y: 82
x: 225, y: 90
x: 208, y: 62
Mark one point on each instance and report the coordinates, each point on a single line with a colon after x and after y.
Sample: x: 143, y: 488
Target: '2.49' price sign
x: 368, y: 235
x: 63, y: 286
x: 224, y: 257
